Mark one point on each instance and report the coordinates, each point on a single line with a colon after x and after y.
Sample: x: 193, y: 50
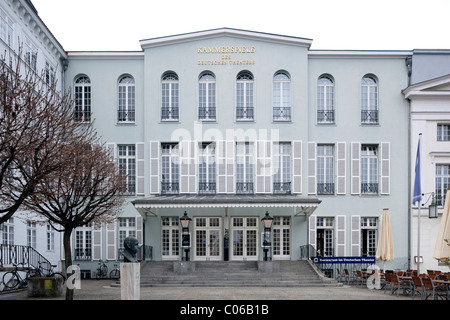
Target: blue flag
x: 417, y: 193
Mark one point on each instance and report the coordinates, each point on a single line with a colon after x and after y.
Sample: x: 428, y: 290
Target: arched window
x: 244, y: 96
x: 369, y: 99
x: 170, y: 97
x: 127, y: 99
x: 325, y: 99
x: 82, y: 99
x: 281, y: 96
x: 207, y: 97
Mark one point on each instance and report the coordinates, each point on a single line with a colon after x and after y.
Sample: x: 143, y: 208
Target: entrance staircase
x: 232, y: 274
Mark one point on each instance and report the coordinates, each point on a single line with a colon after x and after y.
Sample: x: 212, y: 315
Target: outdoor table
x: 446, y: 282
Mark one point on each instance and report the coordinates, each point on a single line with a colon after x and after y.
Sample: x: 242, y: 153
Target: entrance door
x: 281, y: 238
x: 244, y: 238
x: 170, y: 242
x: 208, y: 238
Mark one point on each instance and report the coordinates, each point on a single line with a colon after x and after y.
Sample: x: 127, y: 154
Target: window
x: 207, y: 168
x: 127, y: 99
x: 369, y: 100
x: 50, y: 238
x: 244, y: 96
x: 368, y: 237
x: 170, y: 97
x: 127, y: 166
x: 325, y: 169
x: 281, y: 97
x: 31, y: 234
x: 443, y: 132
x: 83, y: 243
x: 6, y: 28
x: 324, y: 234
x: 7, y: 229
x: 49, y: 74
x: 170, y: 168
x: 207, y: 97
x: 442, y: 182
x: 325, y: 100
x: 369, y: 169
x: 170, y: 233
x: 83, y: 99
x: 282, y: 167
x: 244, y: 167
x: 30, y: 53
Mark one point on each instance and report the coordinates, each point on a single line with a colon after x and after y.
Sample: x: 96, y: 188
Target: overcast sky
x: 97, y: 25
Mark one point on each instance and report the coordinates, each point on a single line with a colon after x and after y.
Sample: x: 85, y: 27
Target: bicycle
x: 102, y: 270
x: 13, y: 279
x: 51, y: 273
x: 115, y: 273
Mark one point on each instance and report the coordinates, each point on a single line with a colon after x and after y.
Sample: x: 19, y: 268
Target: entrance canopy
x: 304, y: 205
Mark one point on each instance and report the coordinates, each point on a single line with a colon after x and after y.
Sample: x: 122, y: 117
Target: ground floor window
x: 170, y: 242
x: 324, y: 239
x: 281, y: 238
x: 208, y: 238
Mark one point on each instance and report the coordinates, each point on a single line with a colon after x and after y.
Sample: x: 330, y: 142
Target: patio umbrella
x: 442, y: 248
x: 385, y: 246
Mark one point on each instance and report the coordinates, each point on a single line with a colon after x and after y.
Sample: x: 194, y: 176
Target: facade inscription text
x: 226, y: 55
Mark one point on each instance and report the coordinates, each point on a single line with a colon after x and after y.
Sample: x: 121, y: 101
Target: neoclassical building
x: 228, y: 125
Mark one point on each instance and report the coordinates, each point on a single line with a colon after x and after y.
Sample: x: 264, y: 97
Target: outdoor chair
x: 349, y: 277
x: 397, y: 284
x: 360, y: 277
x: 387, y: 281
x: 417, y: 287
x: 431, y: 289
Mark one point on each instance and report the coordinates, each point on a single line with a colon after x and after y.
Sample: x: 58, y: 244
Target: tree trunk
x: 68, y: 257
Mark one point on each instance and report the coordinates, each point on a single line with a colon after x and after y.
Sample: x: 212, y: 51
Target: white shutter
x: 297, y: 166
x: 187, y: 166
x: 140, y: 171
x: 385, y: 168
x: 112, y: 150
x: 356, y: 236
x: 97, y: 243
x: 340, y: 235
x: 155, y: 184
x: 111, y: 241
x: 312, y: 181
x: 356, y: 168
x: 313, y: 231
x: 139, y: 229
x: 340, y: 168
x: 263, y: 167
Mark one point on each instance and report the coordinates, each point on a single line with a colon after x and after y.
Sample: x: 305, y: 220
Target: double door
x: 208, y: 238
x: 244, y: 238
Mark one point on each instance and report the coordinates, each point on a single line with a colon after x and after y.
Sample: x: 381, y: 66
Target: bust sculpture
x: 131, y: 247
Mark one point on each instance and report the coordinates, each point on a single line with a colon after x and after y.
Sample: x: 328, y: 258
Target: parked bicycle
x: 102, y: 270
x: 115, y: 273
x: 50, y: 273
x: 13, y: 279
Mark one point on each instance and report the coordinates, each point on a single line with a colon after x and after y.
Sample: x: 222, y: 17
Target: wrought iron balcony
x: 170, y: 187
x: 325, y: 116
x: 369, y: 188
x: 206, y: 187
x: 244, y: 187
x: 282, y: 187
x: 281, y: 113
x: 244, y: 114
x: 369, y: 116
x: 170, y: 114
x: 207, y: 113
x: 325, y: 188
x: 126, y: 115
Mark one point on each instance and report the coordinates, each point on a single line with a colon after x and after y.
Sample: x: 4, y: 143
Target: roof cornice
x: 360, y: 53
x: 213, y: 33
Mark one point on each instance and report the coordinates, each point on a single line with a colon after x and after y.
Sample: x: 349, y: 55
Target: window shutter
x: 97, y: 243
x: 312, y: 181
x: 112, y: 150
x: 340, y: 168
x: 139, y: 228
x: 385, y: 168
x: 263, y: 167
x: 140, y: 172
x: 297, y: 166
x: 340, y: 235
x: 111, y: 241
x: 356, y: 236
x: 312, y: 232
x: 356, y: 168
x: 154, y: 167
x: 187, y: 166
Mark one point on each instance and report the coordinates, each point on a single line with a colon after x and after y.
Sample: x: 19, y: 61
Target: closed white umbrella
x: 442, y: 248
x: 385, y: 246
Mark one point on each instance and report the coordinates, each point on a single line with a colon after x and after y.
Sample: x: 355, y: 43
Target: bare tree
x: 87, y: 190
x: 35, y: 122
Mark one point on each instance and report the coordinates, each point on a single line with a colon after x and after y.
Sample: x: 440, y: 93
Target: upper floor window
x: 30, y: 53
x: 83, y: 99
x: 369, y: 99
x: 325, y: 99
x: 170, y: 169
x: 443, y: 132
x: 281, y: 97
x: 6, y: 28
x: 282, y: 167
x: 325, y: 169
x: 207, y: 168
x: 369, y: 169
x: 207, y: 97
x: 127, y: 99
x: 244, y: 96
x: 244, y: 167
x: 442, y: 182
x: 170, y: 97
x: 127, y: 166
x: 49, y: 74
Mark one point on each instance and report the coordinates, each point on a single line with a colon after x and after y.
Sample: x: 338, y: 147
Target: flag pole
x: 419, y: 204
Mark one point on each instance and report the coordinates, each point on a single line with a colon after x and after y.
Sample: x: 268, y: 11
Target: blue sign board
x: 343, y: 259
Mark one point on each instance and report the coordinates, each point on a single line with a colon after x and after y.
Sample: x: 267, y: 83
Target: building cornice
x: 360, y: 54
x: 105, y: 55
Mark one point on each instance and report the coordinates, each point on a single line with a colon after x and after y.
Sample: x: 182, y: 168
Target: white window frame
x: 282, y: 167
x: 207, y: 97
x: 170, y: 97
x: 325, y: 168
x: 369, y: 169
x: 245, y: 96
x: 443, y: 132
x: 325, y: 99
x: 442, y: 182
x: 281, y: 97
x: 127, y: 165
x: 207, y: 168
x: 170, y: 168
x: 126, y: 112
x: 369, y: 100
x: 245, y: 167
x: 83, y: 98
x: 6, y: 29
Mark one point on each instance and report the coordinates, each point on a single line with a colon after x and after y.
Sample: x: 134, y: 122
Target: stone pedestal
x: 130, y: 280
x: 45, y: 287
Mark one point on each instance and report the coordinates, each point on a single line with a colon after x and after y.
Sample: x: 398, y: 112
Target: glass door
x: 244, y: 238
x: 208, y: 244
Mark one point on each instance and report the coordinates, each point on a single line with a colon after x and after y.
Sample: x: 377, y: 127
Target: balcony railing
x: 281, y: 113
x: 207, y: 113
x: 244, y: 187
x: 369, y: 188
x: 244, y: 114
x: 282, y: 187
x: 325, y: 116
x: 170, y: 187
x: 369, y: 116
x: 325, y: 188
x: 206, y: 187
x: 170, y: 114
x: 126, y: 115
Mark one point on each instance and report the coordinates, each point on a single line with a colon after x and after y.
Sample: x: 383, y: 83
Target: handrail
x: 19, y: 254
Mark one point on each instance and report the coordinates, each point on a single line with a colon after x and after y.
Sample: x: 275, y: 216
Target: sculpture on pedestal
x: 131, y: 247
